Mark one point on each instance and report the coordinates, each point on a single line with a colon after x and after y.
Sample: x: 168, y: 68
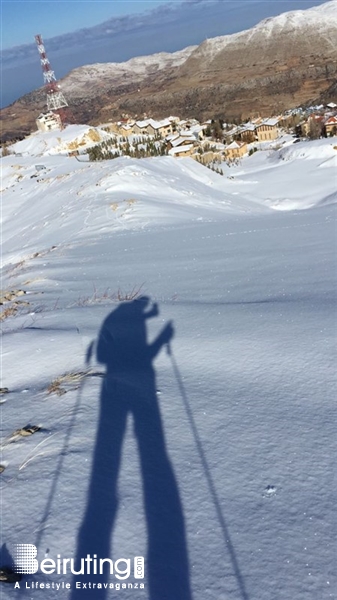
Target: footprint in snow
x: 269, y: 491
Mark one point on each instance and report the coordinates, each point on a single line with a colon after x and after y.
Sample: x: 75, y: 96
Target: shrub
x: 6, y: 151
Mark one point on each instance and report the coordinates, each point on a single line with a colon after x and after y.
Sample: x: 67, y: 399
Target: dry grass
x: 12, y: 269
x: 27, y: 430
x: 15, y: 305
x: 127, y: 296
x: 68, y: 382
x: 6, y: 151
x: 131, y: 201
x: 116, y: 205
x: 55, y: 388
x: 108, y: 296
x: 10, y: 295
x: 13, y: 310
x: 10, y: 311
x: 30, y: 281
x: 94, y: 135
x: 20, y: 433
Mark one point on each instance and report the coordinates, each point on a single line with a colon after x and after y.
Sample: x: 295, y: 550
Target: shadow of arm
x: 163, y: 338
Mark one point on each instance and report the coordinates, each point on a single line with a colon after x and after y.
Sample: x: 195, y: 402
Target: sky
x: 23, y: 19
x: 82, y: 32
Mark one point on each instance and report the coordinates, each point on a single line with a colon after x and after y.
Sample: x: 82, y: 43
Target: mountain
x: 282, y: 62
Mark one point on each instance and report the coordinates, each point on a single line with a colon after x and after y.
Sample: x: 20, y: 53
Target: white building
x: 48, y: 121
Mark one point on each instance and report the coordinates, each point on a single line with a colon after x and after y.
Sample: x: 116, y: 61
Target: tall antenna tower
x: 56, y: 101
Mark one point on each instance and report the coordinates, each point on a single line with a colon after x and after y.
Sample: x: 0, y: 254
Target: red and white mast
x: 56, y: 101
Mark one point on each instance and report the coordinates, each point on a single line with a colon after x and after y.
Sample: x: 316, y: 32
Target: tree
x: 216, y: 130
x: 315, y: 129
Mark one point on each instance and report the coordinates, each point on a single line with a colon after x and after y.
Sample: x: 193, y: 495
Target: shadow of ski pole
x: 203, y: 459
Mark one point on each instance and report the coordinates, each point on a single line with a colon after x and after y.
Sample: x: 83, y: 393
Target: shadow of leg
x: 167, y: 561
x: 95, y: 533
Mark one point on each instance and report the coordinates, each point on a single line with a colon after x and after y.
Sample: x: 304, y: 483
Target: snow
x: 134, y: 69
x: 72, y: 137
x: 321, y: 18
x: 235, y: 145
x: 244, y: 267
x: 180, y: 148
x: 270, y: 122
x: 180, y: 139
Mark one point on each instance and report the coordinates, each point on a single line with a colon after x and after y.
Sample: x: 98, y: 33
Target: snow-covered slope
x: 74, y: 137
x: 227, y: 490
x: 130, y: 72
x: 318, y: 22
x: 322, y: 20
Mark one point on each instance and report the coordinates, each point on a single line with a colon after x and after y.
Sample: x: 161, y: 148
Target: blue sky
x: 80, y: 32
x: 22, y: 19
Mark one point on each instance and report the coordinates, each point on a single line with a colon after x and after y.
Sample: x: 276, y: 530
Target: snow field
x: 251, y: 294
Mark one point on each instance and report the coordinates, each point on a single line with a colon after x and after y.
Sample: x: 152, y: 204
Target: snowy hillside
x: 321, y: 18
x: 74, y: 137
x: 213, y: 461
x: 133, y: 70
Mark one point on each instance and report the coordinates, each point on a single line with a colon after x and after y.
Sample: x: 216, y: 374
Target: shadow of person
x: 129, y: 387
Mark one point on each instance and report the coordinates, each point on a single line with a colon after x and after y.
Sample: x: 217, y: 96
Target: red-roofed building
x: 330, y: 126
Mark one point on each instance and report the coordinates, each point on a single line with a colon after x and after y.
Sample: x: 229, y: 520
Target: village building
x: 267, y: 130
x: 172, y: 136
x: 126, y: 129
x: 152, y: 127
x: 313, y: 126
x: 236, y: 150
x: 231, y: 133
x: 48, y: 121
x: 301, y: 130
x: 181, y: 138
x: 246, y: 133
x: 287, y: 121
x: 330, y: 126
x: 140, y: 127
x: 182, y: 124
x: 208, y: 157
x: 198, y: 131
x: 181, y: 151
x: 159, y: 128
x: 173, y: 120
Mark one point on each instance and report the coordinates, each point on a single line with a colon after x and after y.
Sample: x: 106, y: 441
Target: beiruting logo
x: 27, y: 563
